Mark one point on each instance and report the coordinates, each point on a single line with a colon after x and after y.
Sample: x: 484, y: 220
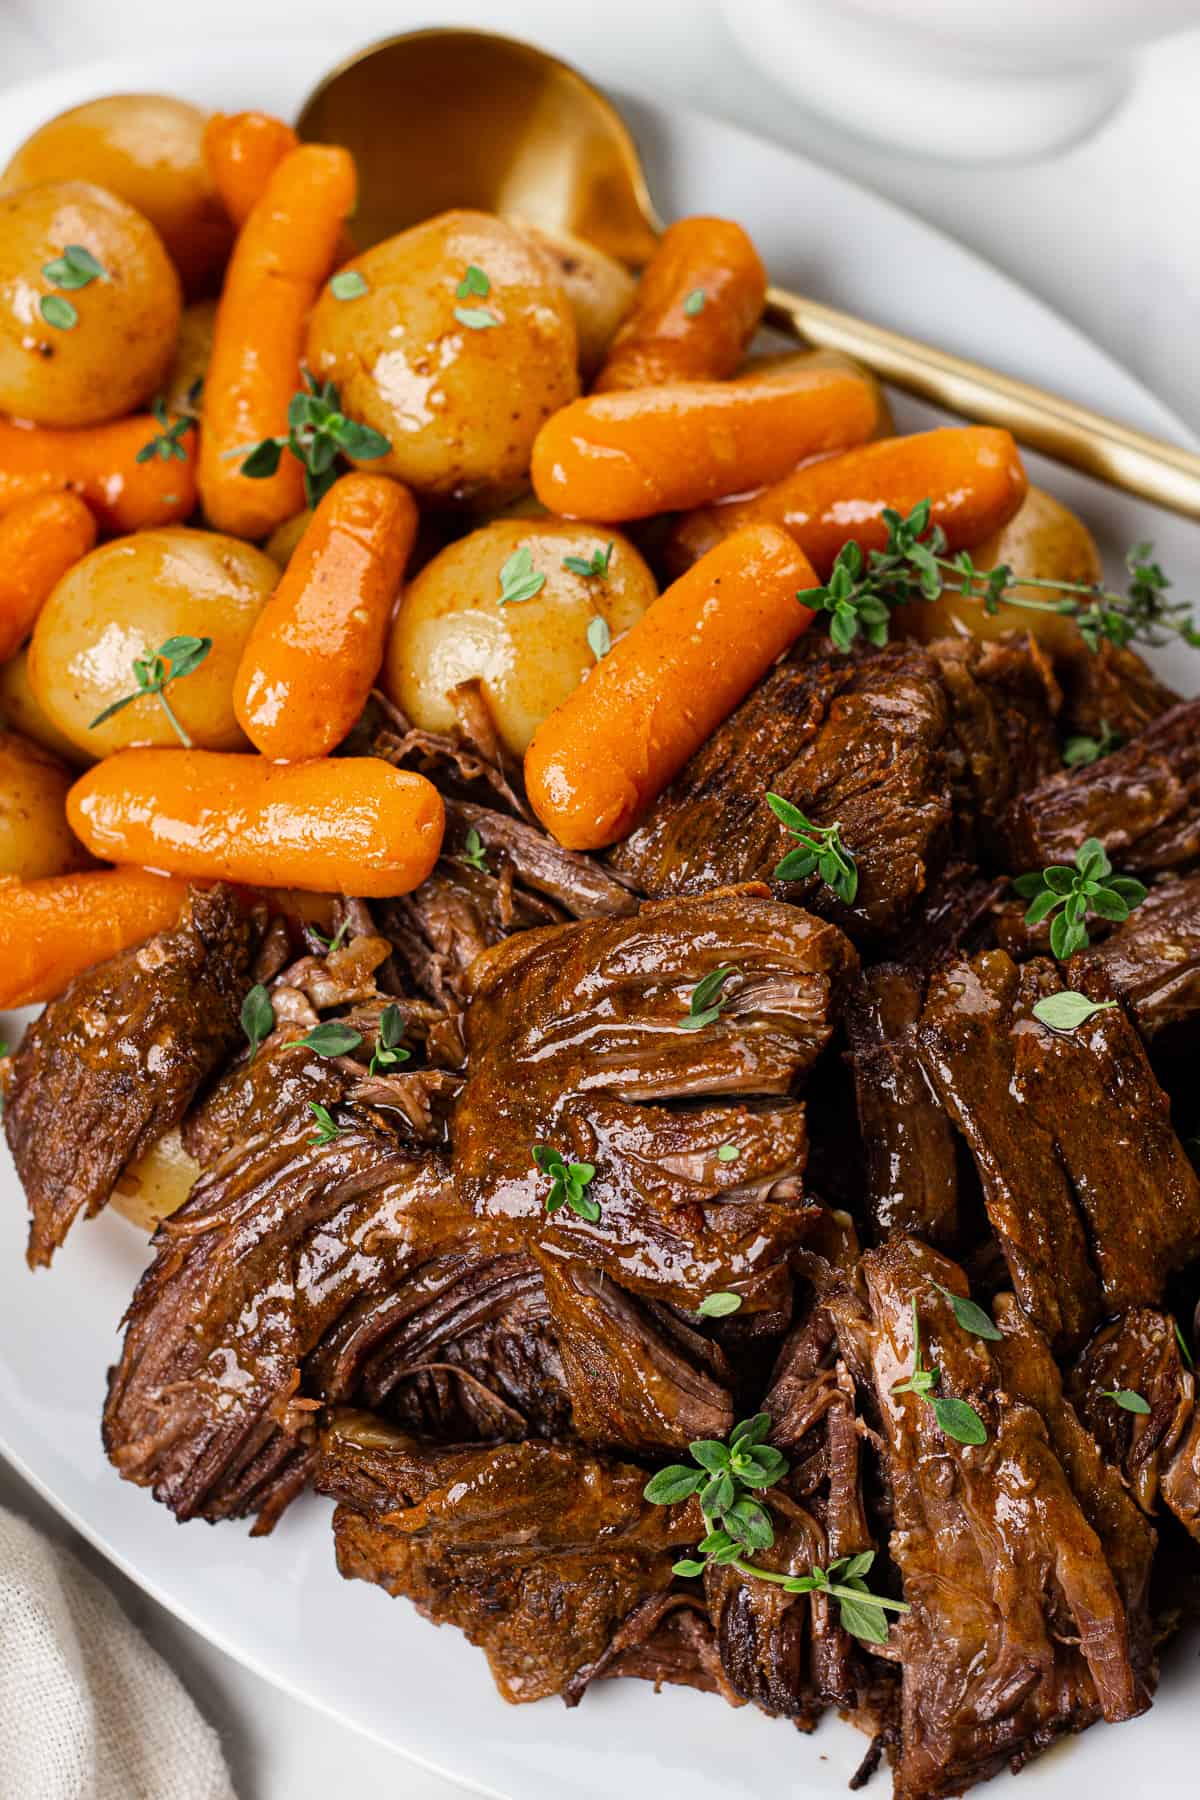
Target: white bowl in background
x: 968, y: 80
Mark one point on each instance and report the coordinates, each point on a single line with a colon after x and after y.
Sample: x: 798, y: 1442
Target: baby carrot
x: 316, y: 646
x: 972, y: 474
x: 40, y: 539
x: 648, y: 450
x: 600, y: 759
x: 336, y: 825
x: 52, y: 930
x: 99, y: 463
x: 698, y: 304
x: 241, y: 153
x: 283, y: 253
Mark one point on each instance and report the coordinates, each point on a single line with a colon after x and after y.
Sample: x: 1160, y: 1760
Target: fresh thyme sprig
x: 331, y: 1038
x: 177, y: 657
x: 389, y: 1050
x: 1073, y: 895
x: 568, y: 1182
x: 474, y: 853
x: 863, y: 591
x: 1128, y: 1399
x: 707, y: 1002
x: 1079, y: 752
x: 327, y: 1126
x: 1065, y: 1012
x: 956, y: 1418
x: 258, y: 1017
x: 818, y: 847
x: 166, y: 444
x: 725, y: 1482
x: 594, y: 567
x: 318, y: 433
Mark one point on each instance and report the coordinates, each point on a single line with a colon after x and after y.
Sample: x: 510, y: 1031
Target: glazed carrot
x: 99, y: 463
x: 599, y: 760
x: 336, y: 825
x: 648, y: 450
x: 971, y: 473
x: 283, y: 253
x: 698, y: 304
x: 241, y: 153
x: 52, y: 930
x: 40, y: 539
x: 316, y: 647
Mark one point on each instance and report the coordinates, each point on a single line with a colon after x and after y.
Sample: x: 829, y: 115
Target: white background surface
x: 1108, y: 233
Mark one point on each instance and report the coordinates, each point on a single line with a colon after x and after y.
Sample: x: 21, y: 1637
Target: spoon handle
x: 1133, y: 460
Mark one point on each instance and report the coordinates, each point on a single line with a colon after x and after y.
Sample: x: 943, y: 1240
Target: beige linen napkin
x: 88, y: 1711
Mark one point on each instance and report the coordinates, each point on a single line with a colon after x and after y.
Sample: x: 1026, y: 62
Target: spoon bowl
x: 450, y: 118
x: 446, y: 118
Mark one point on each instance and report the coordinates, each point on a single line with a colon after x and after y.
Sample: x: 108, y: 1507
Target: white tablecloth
x: 1107, y: 233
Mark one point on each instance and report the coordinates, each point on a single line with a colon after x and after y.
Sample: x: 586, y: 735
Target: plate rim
x: 70, y: 85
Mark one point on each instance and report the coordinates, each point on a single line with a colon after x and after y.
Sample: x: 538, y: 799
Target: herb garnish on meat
x: 568, y: 1181
x: 971, y: 1317
x: 707, y: 1002
x: 1079, y: 752
x: 725, y: 1483
x: 1066, y: 1011
x: 957, y: 1418
x: 1126, y: 1399
x: 818, y: 847
x: 389, y: 1051
x: 1072, y: 895
x: 331, y: 1039
x: 327, y: 1127
x: 258, y: 1017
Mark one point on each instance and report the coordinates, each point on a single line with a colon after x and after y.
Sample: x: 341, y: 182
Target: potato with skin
x: 35, y: 838
x: 459, y: 384
x: 1044, y: 539
x: 157, y: 1184
x: 121, y: 603
x: 451, y: 624
x: 147, y: 149
x: 600, y: 290
x: 114, y: 356
x: 184, y: 385
x: 20, y: 711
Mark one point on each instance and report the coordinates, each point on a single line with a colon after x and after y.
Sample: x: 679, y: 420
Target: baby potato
x: 148, y: 150
x: 119, y: 604
x: 157, y: 1184
x: 20, y: 710
x: 452, y: 625
x: 1044, y: 539
x: 111, y: 348
x: 600, y: 289
x: 189, y: 366
x: 281, y: 545
x: 459, y: 383
x: 35, y: 838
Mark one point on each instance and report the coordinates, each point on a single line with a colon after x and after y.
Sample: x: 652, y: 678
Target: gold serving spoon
x: 444, y: 118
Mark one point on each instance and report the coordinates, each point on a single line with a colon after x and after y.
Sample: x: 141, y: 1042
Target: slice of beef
x: 1017, y: 1631
x: 667, y: 1638
x: 1158, y: 1452
x: 633, y: 1384
x: 462, y: 910
x: 466, y: 1347
x: 1142, y: 802
x: 1110, y: 689
x: 1004, y: 701
x: 908, y: 1141
x: 854, y: 740
x: 1089, y: 1191
x: 209, y: 1405
x: 578, y: 1039
x: 1152, y: 964
x: 538, y: 1552
x: 1110, y: 1509
x: 113, y: 1064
